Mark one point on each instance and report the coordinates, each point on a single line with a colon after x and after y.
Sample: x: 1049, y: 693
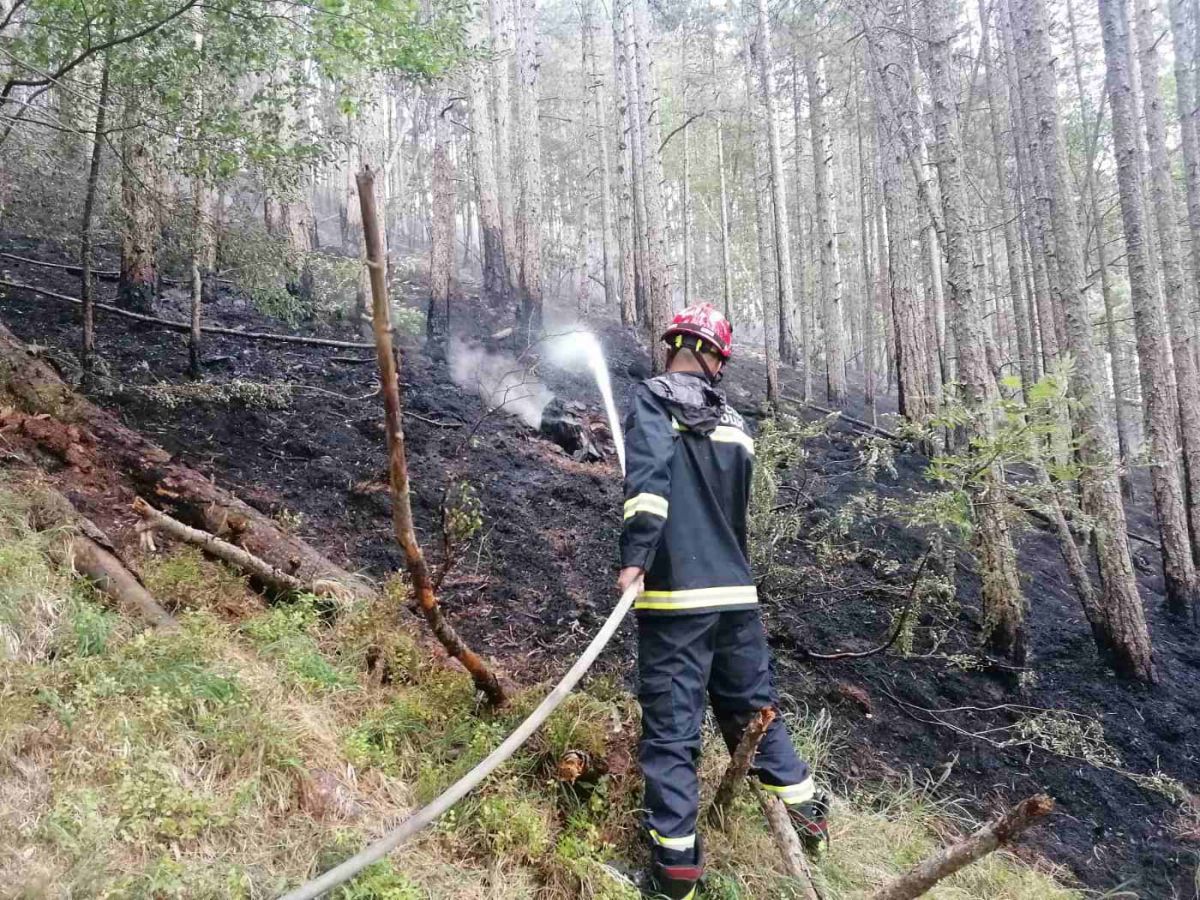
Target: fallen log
x: 87, y: 550
x: 278, y: 580
x: 919, y: 879
x: 788, y: 842
x: 186, y: 327
x: 31, y: 389
x: 739, y: 765
x: 104, y: 274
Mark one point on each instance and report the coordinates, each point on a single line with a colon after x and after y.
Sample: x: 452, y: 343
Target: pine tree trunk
x: 598, y: 136
x: 1154, y: 349
x: 831, y: 273
x: 783, y: 243
x: 441, y: 244
x: 87, y: 353
x: 906, y: 312
x: 138, y: 283
x: 1125, y: 621
x: 1120, y: 412
x: 500, y: 15
x: 1178, y: 287
x: 657, y: 275
x: 767, y: 269
x: 635, y: 126
x: 1003, y: 603
x: 726, y: 266
x: 1012, y: 247
x: 803, y: 297
x: 866, y: 199
x: 529, y: 158
x: 1186, y: 100
x: 625, y: 200
x: 495, y: 261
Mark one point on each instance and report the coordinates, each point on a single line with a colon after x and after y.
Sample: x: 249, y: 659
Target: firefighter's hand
x: 628, y: 576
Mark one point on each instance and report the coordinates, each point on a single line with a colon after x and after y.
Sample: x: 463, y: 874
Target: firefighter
x: 687, y: 489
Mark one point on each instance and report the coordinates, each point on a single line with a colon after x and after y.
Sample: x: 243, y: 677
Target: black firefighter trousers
x: 681, y: 658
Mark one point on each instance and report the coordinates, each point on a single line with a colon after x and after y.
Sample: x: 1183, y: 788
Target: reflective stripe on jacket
x: 687, y: 489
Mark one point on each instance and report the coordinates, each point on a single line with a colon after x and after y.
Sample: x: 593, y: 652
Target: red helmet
x: 704, y: 321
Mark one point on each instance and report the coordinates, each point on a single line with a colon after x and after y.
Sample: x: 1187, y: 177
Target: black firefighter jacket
x: 689, y: 461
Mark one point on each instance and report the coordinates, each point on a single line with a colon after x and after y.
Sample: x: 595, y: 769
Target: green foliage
x: 778, y: 447
x: 285, y: 633
x: 183, y: 578
x: 379, y: 882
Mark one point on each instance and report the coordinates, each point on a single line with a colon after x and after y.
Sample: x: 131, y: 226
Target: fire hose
x: 342, y: 873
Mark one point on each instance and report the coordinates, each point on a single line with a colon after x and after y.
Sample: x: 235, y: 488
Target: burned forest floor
x: 297, y: 432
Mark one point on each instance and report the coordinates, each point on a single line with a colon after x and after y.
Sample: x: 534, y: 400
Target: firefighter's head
x: 699, y: 334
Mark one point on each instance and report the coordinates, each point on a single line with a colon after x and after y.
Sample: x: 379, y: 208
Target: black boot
x: 811, y: 820
x: 675, y: 874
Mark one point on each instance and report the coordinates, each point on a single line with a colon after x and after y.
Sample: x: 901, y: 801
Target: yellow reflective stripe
x: 697, y: 598
x: 730, y: 435
x: 678, y: 427
x: 679, y: 843
x: 792, y: 794
x: 647, y: 503
x: 690, y: 895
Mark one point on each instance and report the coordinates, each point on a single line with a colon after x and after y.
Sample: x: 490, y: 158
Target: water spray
x: 585, y: 342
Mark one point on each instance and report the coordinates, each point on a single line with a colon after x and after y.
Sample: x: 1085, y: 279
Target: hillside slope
x: 536, y: 583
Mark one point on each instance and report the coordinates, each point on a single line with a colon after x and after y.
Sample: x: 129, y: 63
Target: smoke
x: 499, y: 380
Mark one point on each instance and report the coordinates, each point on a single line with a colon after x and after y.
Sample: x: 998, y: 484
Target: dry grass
x: 246, y: 752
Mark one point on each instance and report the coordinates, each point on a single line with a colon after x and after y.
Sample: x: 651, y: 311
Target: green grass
x: 243, y: 753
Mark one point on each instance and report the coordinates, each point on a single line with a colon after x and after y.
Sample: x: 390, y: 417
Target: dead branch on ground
x: 406, y: 536
x: 794, y: 861
x: 739, y: 765
x: 896, y: 631
x: 919, y: 879
x: 87, y: 550
x: 155, y: 520
x: 186, y: 326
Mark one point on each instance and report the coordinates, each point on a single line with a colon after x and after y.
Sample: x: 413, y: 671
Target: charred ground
x: 536, y: 584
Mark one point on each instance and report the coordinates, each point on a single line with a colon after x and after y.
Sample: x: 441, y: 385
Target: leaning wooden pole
x: 402, y: 521
x: 739, y: 765
x: 919, y: 879
x: 788, y: 842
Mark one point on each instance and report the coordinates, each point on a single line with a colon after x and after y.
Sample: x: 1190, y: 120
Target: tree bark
x: 1125, y: 618
x: 906, y: 312
x: 779, y: 205
x: 1012, y: 247
x: 87, y: 352
x: 1120, y: 412
x: 919, y: 879
x: 1179, y: 288
x: 402, y: 521
x: 831, y: 270
x: 500, y: 15
x: 441, y: 229
x: 1002, y: 600
x: 529, y: 152
x: 599, y: 137
x: 803, y: 297
x: 138, y: 284
x: 726, y: 265
x: 1154, y: 351
x: 657, y: 278
x: 625, y: 202
x: 768, y: 271
x: 739, y: 765
x: 497, y: 279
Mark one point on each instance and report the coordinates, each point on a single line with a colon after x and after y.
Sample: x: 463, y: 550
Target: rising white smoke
x: 499, y: 380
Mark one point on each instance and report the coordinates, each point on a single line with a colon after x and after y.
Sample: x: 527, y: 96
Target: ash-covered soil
x: 536, y: 583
